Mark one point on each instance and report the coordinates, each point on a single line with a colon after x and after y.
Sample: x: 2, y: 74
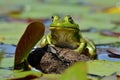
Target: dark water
x: 103, y: 54
x: 9, y: 50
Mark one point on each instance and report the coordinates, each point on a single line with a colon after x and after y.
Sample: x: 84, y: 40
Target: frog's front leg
x: 82, y: 45
x: 46, y: 40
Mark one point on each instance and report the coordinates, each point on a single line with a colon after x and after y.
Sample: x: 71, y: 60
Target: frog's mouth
x: 65, y: 28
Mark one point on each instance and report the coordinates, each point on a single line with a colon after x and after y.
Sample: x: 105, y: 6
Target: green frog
x: 65, y: 33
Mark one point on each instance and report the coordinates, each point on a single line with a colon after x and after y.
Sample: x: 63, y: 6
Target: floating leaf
x: 50, y: 77
x: 114, y: 53
x: 33, y: 33
x: 109, y: 33
x: 103, y: 68
x: 5, y: 72
x: 111, y: 77
x: 78, y: 71
x: 29, y: 75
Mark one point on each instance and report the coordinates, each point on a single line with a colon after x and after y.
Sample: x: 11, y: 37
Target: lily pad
x: 4, y: 68
x: 97, y: 67
x: 103, y: 67
x: 100, y: 39
x: 76, y: 72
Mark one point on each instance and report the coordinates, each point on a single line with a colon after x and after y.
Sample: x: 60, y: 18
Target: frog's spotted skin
x: 65, y: 33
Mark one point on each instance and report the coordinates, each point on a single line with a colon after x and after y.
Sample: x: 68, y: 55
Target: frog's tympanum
x: 65, y: 33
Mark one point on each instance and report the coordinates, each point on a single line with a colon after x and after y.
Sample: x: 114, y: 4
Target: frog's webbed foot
x: 90, y: 43
x: 46, y: 40
x: 91, y: 48
x: 80, y: 48
x: 87, y: 47
x: 91, y: 51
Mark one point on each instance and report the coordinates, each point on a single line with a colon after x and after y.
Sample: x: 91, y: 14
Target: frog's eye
x: 70, y: 20
x: 54, y: 18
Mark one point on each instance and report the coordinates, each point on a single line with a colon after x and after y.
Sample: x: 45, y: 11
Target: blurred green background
x: 87, y: 13
x: 97, y: 15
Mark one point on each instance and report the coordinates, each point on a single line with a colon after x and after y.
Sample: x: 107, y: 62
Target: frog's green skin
x: 65, y: 33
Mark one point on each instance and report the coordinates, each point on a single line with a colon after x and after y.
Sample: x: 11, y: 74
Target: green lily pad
x: 100, y: 39
x: 5, y: 64
x: 76, y: 72
x: 12, y: 31
x: 103, y: 68
x: 97, y: 67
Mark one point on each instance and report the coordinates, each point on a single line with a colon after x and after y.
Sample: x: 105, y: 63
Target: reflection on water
x: 106, y: 57
x: 8, y: 49
x: 103, y: 54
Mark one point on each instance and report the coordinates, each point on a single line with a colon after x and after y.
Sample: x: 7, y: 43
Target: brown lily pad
x: 116, y: 22
x: 33, y: 33
x: 110, y: 33
x: 28, y: 77
x: 113, y: 53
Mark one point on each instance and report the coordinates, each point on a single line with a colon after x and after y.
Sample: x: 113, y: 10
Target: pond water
x: 9, y: 50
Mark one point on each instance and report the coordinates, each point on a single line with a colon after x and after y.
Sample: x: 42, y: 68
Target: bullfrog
x: 65, y: 33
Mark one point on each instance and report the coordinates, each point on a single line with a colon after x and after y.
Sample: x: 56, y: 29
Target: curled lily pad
x: 33, y: 33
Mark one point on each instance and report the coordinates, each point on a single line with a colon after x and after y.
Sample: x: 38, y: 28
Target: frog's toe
x: 78, y: 50
x: 92, y: 52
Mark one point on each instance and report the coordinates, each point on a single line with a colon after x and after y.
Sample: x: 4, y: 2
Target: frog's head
x: 65, y: 23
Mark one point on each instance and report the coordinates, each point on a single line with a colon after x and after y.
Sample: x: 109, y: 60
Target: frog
x: 65, y: 33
